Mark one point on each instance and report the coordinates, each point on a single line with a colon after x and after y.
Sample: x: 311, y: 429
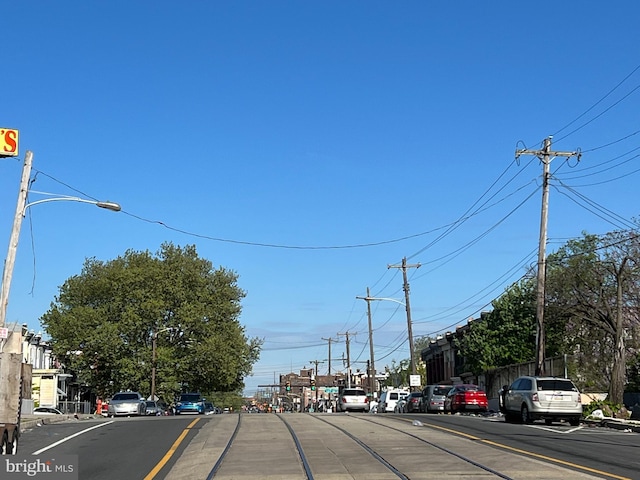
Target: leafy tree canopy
x: 594, y: 286
x: 104, y: 320
x: 505, y: 335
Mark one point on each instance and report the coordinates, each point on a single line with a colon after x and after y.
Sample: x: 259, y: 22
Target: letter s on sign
x: 10, y: 141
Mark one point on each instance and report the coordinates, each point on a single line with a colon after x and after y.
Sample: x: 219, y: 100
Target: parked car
x: 400, y: 404
x: 465, y: 397
x: 46, y: 411
x: 126, y: 403
x: 433, y: 397
x: 413, y: 402
x: 389, y: 398
x: 209, y: 409
x: 531, y: 398
x: 353, y: 399
x: 153, y: 408
x: 163, y: 407
x: 190, y: 403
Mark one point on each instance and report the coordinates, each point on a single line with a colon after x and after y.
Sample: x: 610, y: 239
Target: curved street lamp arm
x: 106, y: 205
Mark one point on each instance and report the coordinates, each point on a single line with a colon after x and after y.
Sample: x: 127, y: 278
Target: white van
x: 389, y: 398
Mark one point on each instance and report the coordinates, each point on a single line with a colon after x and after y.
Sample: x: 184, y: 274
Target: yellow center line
x: 529, y: 454
x: 171, y: 451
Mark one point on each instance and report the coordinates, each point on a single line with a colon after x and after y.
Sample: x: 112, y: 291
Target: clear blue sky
x: 308, y: 145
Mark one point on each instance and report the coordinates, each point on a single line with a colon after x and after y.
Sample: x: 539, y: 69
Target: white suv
x: 353, y: 399
x: 548, y: 398
x: 389, y: 399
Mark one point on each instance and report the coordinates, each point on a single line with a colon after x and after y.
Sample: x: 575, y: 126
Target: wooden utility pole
x: 407, y: 307
x: 371, y: 369
x: 545, y: 155
x: 329, y: 358
x: 15, y: 235
x: 346, y: 335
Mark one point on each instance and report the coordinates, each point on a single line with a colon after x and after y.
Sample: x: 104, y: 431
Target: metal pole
x: 153, y: 365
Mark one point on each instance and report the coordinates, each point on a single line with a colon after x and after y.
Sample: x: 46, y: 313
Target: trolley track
x: 397, y: 472
x: 343, y: 452
x: 306, y: 473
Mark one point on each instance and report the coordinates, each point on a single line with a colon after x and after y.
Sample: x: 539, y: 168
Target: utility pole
x: 346, y: 335
x: 315, y: 382
x: 407, y: 307
x: 329, y: 358
x: 15, y: 235
x: 545, y: 155
x: 371, y: 369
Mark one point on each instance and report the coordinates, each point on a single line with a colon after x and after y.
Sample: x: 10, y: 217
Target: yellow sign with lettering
x: 8, y: 142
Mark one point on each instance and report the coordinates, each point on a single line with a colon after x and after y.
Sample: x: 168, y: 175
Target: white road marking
x: 71, y: 436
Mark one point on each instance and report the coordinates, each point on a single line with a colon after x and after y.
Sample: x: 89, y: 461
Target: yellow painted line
x: 171, y: 451
x: 529, y: 454
x: 555, y: 460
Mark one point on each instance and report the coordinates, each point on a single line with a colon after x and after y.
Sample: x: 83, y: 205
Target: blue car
x: 190, y: 403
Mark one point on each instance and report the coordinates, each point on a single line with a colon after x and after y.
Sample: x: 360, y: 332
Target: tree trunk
x: 616, y: 389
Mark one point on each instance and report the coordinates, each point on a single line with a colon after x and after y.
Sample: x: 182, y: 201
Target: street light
x: 21, y: 209
x: 154, y: 339
x: 409, y: 329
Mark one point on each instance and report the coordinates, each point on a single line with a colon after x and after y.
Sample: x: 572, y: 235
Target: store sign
x: 8, y: 142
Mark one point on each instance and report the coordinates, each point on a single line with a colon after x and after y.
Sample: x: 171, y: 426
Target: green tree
x: 505, y: 335
x: 594, y: 283
x: 103, y: 321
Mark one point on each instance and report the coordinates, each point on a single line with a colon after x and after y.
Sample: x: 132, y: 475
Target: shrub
x: 609, y: 409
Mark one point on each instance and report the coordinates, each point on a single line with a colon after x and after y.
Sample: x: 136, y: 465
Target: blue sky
x: 309, y: 145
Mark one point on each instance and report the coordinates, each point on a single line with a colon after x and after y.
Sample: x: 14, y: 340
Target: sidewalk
x: 28, y: 422
x: 615, y: 423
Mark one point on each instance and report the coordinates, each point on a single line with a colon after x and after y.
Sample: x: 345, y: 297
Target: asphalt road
x: 152, y: 447
x: 602, y: 449
x: 121, y: 448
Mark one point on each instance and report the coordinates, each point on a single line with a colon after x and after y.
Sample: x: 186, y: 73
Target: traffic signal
x: 288, y: 386
x: 313, y: 384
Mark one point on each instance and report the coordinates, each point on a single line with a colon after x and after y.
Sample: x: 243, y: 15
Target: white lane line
x: 70, y: 437
x: 554, y: 430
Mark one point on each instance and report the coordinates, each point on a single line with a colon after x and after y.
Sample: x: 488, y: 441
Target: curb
x: 615, y: 423
x: 32, y: 421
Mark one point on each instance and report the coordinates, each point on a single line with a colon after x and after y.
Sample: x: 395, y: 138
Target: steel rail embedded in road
x: 303, y: 457
x: 368, y: 449
x: 217, y: 465
x: 439, y: 447
x: 301, y: 454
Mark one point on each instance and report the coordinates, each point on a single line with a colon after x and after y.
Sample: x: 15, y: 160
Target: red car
x: 463, y: 398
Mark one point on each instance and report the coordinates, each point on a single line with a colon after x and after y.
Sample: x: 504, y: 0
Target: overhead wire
x: 455, y: 253
x: 466, y: 215
x: 462, y: 305
x: 596, y: 104
x: 605, y: 214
